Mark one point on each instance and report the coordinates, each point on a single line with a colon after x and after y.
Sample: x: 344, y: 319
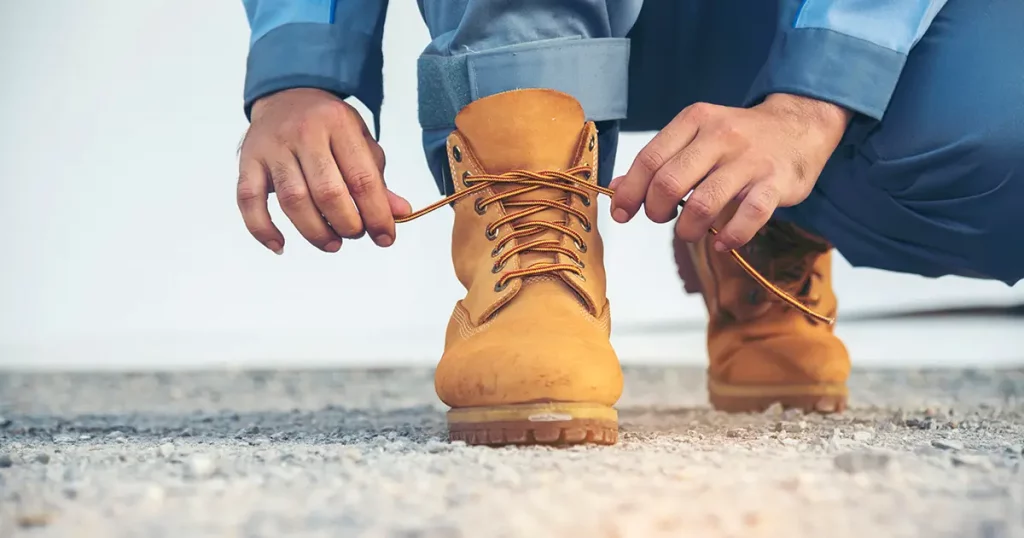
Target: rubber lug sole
x: 550, y: 423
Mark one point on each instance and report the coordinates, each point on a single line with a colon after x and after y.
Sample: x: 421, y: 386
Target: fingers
x: 712, y: 197
x: 297, y: 202
x: 632, y: 189
x: 679, y: 176
x: 365, y: 181
x: 252, y: 193
x: 399, y: 206
x: 754, y: 211
x: 328, y: 190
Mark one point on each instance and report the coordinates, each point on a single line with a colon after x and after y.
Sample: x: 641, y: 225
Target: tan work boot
x: 527, y: 354
x: 761, y: 350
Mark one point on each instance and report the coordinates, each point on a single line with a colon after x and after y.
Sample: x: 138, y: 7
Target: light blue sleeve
x: 333, y: 45
x: 848, y: 52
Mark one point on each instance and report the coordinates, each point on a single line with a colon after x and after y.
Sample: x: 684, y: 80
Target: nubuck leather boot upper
x: 761, y: 349
x: 527, y: 355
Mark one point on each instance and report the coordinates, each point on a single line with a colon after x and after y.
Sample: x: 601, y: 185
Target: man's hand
x: 766, y: 156
x: 315, y: 152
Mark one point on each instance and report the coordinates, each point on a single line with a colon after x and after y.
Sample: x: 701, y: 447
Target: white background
x: 121, y: 245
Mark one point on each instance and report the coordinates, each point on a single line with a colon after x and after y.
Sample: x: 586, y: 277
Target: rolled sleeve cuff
x: 827, y: 65
x: 313, y: 55
x: 595, y: 71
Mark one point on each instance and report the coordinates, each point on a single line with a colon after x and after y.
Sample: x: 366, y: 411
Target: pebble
x: 774, y: 410
x: 861, y: 461
x: 971, y: 460
x: 199, y: 467
x: 735, y: 432
x: 62, y: 438
x: 947, y: 444
x: 166, y: 450
x: 5, y: 461
x: 42, y: 457
x: 434, y: 446
x: 862, y: 437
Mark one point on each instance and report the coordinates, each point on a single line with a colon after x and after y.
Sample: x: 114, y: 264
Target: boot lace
x: 573, y: 182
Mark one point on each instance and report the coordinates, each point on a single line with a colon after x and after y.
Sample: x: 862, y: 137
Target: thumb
x: 400, y: 207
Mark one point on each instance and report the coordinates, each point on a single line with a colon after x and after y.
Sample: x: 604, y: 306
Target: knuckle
x: 248, y: 190
x: 650, y: 160
x: 763, y: 203
x: 329, y: 193
x: 699, y: 111
x: 291, y: 195
x: 666, y: 183
x: 247, y: 195
x: 730, y: 135
x: 361, y: 183
x: 700, y: 207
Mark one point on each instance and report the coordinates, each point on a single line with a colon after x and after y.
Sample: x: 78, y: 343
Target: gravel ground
x: 363, y: 453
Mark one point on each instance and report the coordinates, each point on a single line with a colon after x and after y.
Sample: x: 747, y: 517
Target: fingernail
x: 383, y: 240
x: 275, y: 247
x: 333, y: 246
x: 720, y: 246
x: 620, y: 215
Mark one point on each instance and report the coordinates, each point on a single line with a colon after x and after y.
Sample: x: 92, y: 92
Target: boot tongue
x: 532, y: 130
x: 523, y: 130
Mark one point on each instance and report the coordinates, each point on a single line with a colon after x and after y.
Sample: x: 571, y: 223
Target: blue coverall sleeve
x: 848, y: 52
x: 333, y: 45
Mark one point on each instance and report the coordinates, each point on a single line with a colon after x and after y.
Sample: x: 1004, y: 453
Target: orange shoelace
x: 572, y: 182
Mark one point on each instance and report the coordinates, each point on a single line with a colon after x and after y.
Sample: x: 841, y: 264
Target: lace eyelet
x: 586, y: 173
x: 491, y: 234
x: 581, y: 277
x: 586, y: 201
x: 580, y: 264
x: 586, y: 226
x: 582, y: 247
x: 496, y: 268
x: 497, y: 251
x: 465, y: 178
x: 498, y: 286
x: 457, y: 154
x: 480, y: 210
x: 593, y: 141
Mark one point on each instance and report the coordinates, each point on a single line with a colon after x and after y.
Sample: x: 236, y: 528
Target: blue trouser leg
x: 937, y: 187
x: 483, y: 47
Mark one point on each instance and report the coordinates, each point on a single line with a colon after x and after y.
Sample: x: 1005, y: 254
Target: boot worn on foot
x: 527, y: 354
x: 762, y: 350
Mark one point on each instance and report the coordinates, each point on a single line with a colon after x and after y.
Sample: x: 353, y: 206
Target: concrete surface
x: 363, y: 453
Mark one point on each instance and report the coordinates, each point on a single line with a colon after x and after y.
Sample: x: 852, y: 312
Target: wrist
x: 830, y: 118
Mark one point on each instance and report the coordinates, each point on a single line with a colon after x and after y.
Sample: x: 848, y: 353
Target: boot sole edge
x: 548, y: 423
x: 824, y: 398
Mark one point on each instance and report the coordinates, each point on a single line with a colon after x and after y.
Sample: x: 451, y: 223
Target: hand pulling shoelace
x: 571, y: 183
